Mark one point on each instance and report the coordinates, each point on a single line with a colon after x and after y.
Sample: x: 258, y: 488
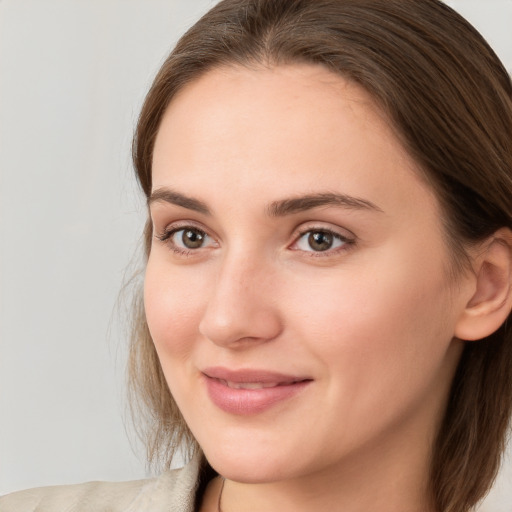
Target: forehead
x: 281, y: 130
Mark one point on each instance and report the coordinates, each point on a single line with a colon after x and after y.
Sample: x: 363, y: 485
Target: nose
x: 242, y: 307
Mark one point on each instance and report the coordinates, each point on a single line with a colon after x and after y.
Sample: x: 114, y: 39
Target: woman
x: 329, y: 264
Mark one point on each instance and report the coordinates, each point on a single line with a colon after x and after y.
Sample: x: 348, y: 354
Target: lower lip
x: 250, y: 401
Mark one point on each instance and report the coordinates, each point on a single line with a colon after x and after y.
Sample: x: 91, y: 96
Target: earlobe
x: 491, y: 302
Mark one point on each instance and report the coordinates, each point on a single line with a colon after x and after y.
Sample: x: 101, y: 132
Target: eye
x: 189, y: 238
x: 321, y: 240
x: 186, y: 239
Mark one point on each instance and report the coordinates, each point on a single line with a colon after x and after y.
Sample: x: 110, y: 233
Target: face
x: 296, y: 290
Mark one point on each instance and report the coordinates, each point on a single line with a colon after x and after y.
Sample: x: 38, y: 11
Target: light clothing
x: 173, y: 491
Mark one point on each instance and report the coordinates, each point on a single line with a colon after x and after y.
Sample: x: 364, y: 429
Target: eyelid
x: 306, y: 227
x: 177, y: 225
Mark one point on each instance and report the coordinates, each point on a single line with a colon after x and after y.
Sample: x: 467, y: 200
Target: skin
x: 371, y: 321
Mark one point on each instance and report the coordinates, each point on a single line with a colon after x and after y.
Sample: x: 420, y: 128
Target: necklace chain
x: 219, y: 509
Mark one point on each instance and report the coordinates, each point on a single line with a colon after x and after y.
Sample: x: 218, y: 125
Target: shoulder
x: 173, y: 491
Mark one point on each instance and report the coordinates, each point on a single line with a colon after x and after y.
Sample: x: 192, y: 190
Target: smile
x: 249, y: 392
x: 253, y: 385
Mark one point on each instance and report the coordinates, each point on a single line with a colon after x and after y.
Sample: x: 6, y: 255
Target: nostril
x: 240, y: 325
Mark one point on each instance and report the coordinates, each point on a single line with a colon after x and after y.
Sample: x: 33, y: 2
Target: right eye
x: 189, y: 238
x: 186, y: 239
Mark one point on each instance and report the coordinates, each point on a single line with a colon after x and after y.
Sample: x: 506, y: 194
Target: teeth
x: 249, y: 385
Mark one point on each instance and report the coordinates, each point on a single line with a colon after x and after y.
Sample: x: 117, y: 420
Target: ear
x: 491, y: 301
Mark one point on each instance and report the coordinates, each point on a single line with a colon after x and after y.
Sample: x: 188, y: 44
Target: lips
x: 245, y: 392
x: 250, y: 385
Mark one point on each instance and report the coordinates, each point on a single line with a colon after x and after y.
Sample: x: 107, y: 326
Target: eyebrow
x: 279, y: 208
x: 310, y: 201
x: 170, y: 196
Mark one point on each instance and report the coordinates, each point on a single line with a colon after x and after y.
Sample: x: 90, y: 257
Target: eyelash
x: 166, y: 238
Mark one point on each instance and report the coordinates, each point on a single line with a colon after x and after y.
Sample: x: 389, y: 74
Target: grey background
x: 73, y: 74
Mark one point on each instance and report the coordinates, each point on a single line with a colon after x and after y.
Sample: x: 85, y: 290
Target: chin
x: 253, y: 466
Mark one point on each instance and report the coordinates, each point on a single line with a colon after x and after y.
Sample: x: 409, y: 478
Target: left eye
x: 320, y: 241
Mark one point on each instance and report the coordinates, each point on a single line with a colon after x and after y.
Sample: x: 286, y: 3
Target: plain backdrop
x: 73, y: 74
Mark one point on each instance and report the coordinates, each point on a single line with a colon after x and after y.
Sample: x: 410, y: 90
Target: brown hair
x: 449, y: 99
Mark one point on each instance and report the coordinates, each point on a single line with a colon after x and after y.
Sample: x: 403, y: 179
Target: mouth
x: 246, y: 392
x: 257, y: 385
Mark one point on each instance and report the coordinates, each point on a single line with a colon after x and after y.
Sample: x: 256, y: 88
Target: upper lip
x: 252, y: 375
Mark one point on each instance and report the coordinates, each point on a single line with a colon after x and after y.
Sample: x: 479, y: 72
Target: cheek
x: 173, y: 305
x: 387, y: 324
x: 381, y: 342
